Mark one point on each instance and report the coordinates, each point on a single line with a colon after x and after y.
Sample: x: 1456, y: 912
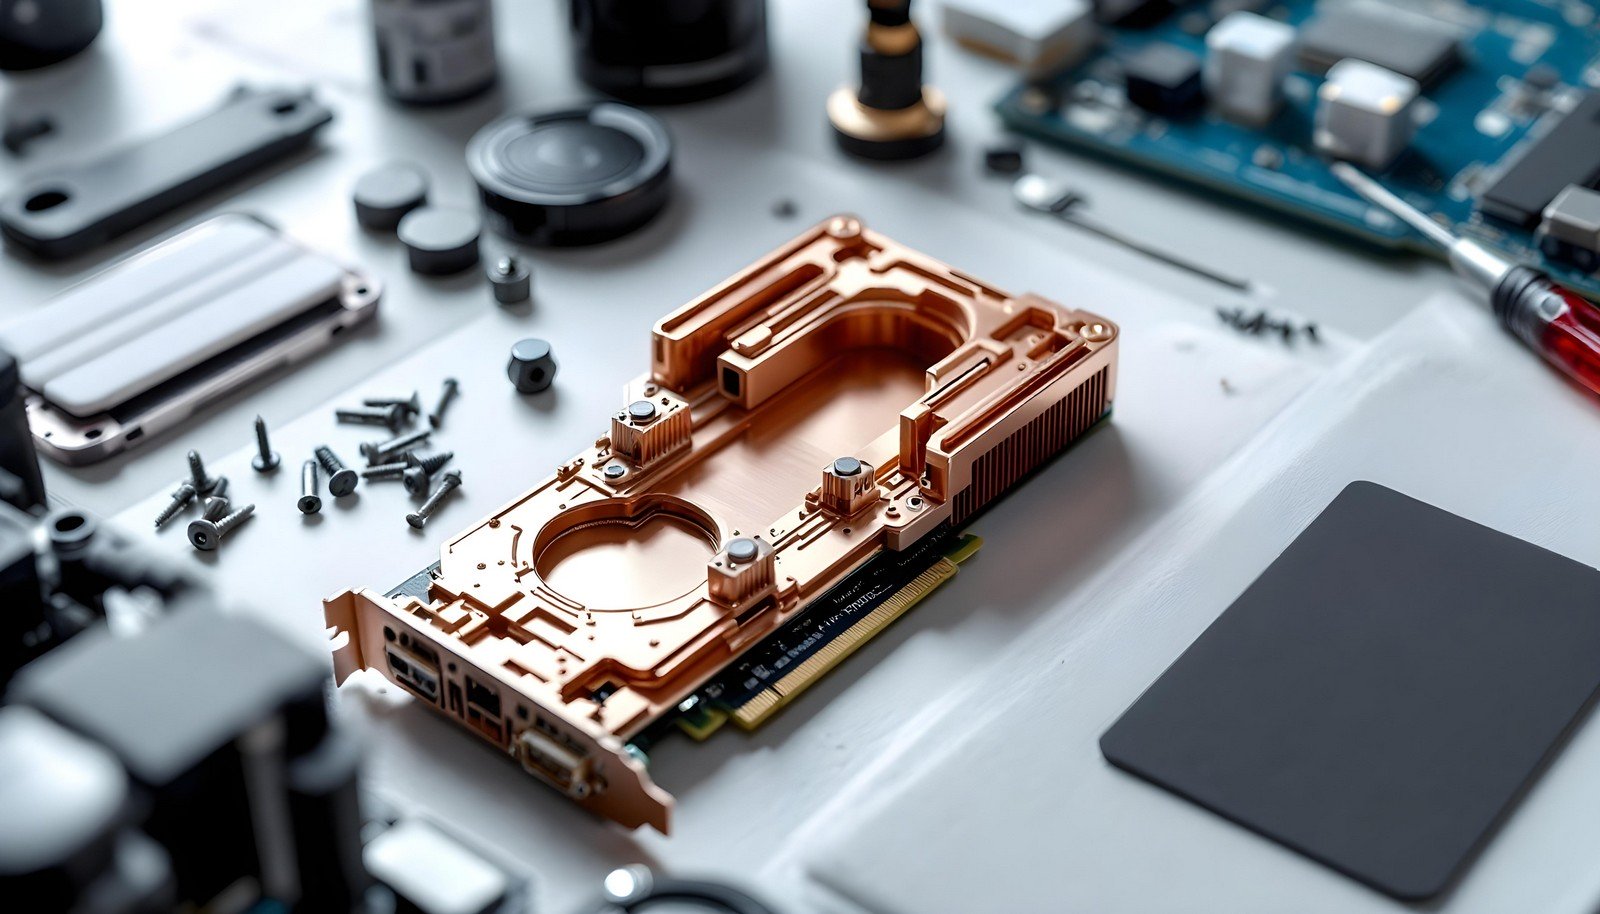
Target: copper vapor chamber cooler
x: 835, y: 402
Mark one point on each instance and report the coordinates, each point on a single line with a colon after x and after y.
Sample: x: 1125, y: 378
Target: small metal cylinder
x: 434, y: 51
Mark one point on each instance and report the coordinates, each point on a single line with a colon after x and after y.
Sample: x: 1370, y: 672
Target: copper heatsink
x: 842, y: 396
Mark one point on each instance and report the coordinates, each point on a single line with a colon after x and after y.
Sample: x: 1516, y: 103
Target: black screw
x: 341, y: 479
x: 310, y: 502
x: 206, y: 534
x: 419, y: 472
x: 412, y: 404
x: 446, y: 394
x: 447, y: 484
x: 181, y: 496
x: 382, y: 451
x: 266, y: 459
x: 197, y: 474
x: 392, y: 416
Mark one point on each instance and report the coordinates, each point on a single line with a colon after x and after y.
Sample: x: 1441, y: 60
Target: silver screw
x: 197, y: 474
x: 446, y: 394
x: 419, y: 472
x: 447, y: 484
x: 341, y: 479
x: 266, y: 459
x: 310, y: 502
x: 206, y: 534
x: 216, y: 504
x: 392, y: 416
x: 385, y: 470
x: 216, y: 507
x: 181, y: 496
x: 412, y: 404
x: 382, y: 451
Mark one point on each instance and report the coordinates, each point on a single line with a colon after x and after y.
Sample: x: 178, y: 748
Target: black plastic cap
x: 572, y: 177
x: 440, y: 241
x: 383, y: 195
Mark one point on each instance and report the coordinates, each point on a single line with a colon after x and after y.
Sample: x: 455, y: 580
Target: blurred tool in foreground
x: 1553, y: 321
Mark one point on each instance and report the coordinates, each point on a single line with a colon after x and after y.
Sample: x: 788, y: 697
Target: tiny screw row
x: 1260, y: 322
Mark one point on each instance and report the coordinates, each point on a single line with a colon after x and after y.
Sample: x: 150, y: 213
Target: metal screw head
x: 846, y: 466
x: 309, y: 504
x: 641, y: 410
x: 615, y: 471
x: 203, y: 534
x: 342, y: 482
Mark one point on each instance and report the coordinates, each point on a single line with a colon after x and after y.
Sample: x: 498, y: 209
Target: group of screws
x: 217, y: 513
x: 393, y: 459
x: 1261, y: 322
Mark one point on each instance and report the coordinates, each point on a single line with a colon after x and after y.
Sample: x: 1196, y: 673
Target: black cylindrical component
x: 575, y: 176
x: 889, y: 12
x: 440, y: 241
x: 432, y: 52
x: 322, y: 784
x: 37, y: 33
x: 25, y: 489
x: 669, y: 51
x: 384, y: 195
x: 890, y: 81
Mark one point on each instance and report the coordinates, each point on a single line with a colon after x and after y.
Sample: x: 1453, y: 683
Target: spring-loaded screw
x: 266, y: 459
x: 206, y: 534
x: 310, y: 502
x: 341, y: 479
x: 448, y: 483
x: 392, y: 416
x: 181, y: 496
x: 419, y: 471
x: 382, y: 451
x: 412, y: 404
x: 197, y: 475
x: 446, y: 394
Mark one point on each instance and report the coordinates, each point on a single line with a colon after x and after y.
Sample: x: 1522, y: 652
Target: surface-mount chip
x: 1406, y: 43
x: 1568, y: 153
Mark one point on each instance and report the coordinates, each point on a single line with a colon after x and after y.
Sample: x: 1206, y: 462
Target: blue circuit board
x: 1473, y: 117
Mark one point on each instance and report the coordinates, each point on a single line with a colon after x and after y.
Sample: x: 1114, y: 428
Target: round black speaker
x: 571, y: 177
x: 669, y: 51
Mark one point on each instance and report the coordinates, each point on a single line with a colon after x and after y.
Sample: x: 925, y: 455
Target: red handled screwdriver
x: 1559, y: 324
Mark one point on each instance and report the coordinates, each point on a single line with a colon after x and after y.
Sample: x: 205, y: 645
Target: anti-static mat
x: 1381, y: 695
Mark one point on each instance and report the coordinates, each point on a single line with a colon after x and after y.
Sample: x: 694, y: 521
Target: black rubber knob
x: 440, y: 241
x: 572, y: 177
x: 385, y: 194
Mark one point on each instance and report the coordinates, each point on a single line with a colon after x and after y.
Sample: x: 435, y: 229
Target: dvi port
x: 565, y: 768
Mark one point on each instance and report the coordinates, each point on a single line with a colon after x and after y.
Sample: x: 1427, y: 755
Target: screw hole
x: 44, y: 200
x: 286, y: 107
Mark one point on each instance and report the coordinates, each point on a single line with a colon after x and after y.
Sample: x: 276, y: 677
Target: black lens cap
x: 571, y: 177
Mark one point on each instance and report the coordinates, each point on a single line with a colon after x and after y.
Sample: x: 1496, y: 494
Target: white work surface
x: 951, y: 765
